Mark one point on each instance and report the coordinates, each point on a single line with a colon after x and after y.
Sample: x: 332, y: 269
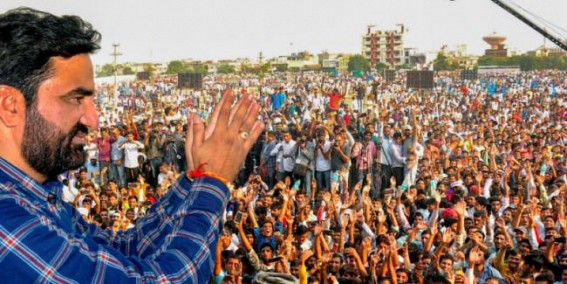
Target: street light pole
x: 115, y: 54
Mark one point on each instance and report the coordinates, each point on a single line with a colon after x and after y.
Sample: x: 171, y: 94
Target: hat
x: 474, y: 189
x: 449, y: 213
x: 406, y: 127
x: 522, y: 229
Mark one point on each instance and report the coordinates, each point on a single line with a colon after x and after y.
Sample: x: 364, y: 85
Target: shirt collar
x: 29, y: 186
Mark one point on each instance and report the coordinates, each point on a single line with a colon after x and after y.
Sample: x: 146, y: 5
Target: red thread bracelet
x: 198, y: 172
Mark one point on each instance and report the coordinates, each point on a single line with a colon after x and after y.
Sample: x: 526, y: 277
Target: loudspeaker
x: 190, y: 80
x: 420, y: 79
x: 412, y: 80
x: 426, y: 79
x: 143, y: 76
x: 469, y: 75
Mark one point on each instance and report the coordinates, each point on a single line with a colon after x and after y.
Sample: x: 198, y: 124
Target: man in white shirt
x: 287, y: 150
x: 323, y: 162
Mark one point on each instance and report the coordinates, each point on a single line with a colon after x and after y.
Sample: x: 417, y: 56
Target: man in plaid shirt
x: 46, y: 110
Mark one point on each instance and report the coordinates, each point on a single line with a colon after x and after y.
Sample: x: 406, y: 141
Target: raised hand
x: 306, y: 255
x: 393, y: 182
x: 225, y: 142
x: 461, y: 208
x: 448, y: 236
x: 345, y: 218
x: 381, y: 217
x: 474, y: 255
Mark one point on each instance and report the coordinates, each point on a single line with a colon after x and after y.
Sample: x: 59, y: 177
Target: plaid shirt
x: 45, y: 240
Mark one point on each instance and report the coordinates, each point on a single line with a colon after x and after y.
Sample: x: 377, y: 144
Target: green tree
x: 440, y: 62
x: 281, y: 67
x: 198, y: 68
x: 263, y: 69
x: 358, y: 62
x: 106, y: 70
x: 148, y: 67
x: 381, y: 66
x: 128, y: 71
x: 403, y: 66
x: 176, y: 67
x: 526, y: 62
x: 225, y: 69
x: 246, y: 68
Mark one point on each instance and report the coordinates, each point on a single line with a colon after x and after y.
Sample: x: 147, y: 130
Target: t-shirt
x: 337, y: 162
x: 322, y: 164
x: 92, y: 151
x: 335, y: 101
x: 131, y: 154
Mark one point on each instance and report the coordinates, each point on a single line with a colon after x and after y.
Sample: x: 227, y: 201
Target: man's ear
x: 12, y: 106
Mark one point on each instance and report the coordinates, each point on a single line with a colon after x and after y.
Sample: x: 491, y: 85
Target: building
x: 331, y: 62
x: 414, y: 59
x: 382, y: 46
x: 544, y: 51
x: 497, y: 46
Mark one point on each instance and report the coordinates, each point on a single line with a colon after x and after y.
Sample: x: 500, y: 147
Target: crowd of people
x: 356, y: 179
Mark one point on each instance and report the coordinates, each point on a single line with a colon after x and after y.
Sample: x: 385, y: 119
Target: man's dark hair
x: 481, y: 200
x: 29, y: 38
x: 536, y: 259
x: 446, y: 256
x: 436, y: 279
x: 545, y: 277
x: 512, y: 252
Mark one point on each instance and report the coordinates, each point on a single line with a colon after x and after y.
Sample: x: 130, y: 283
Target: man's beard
x: 47, y: 149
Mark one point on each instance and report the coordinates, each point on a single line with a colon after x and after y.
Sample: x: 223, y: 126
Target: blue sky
x: 225, y: 29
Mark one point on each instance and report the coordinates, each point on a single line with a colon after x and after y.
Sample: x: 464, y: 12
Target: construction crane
x: 530, y: 23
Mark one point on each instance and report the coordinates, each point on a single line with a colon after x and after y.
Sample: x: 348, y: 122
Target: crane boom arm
x: 532, y: 25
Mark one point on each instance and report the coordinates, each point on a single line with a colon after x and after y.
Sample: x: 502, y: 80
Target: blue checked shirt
x: 45, y: 240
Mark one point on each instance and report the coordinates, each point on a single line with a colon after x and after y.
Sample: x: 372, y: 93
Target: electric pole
x: 115, y: 54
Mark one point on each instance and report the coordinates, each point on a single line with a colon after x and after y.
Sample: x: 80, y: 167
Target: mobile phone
x: 296, y: 184
x: 238, y: 217
x: 277, y: 258
x: 328, y: 232
x: 560, y: 240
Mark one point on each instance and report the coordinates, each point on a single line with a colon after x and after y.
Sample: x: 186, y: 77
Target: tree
x: 128, y: 71
x: 198, y: 68
x: 281, y: 67
x: 176, y: 67
x: 263, y: 69
x: 442, y: 64
x: 381, y: 66
x: 246, y: 68
x: 148, y: 67
x: 225, y: 69
x: 106, y: 70
x: 358, y: 62
x: 526, y: 62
